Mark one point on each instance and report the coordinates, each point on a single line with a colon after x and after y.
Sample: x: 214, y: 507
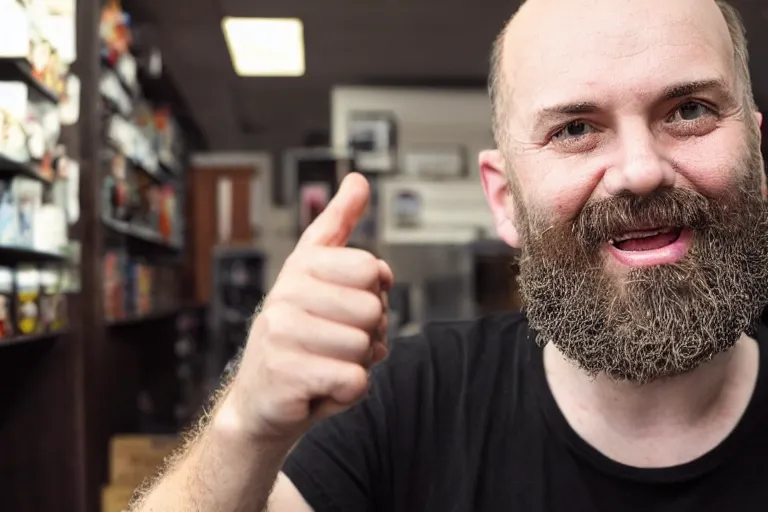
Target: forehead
x: 559, y: 50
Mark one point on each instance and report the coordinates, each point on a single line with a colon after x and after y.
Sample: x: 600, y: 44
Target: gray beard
x: 654, y: 322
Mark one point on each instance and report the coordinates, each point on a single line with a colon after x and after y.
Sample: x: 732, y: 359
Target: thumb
x: 337, y: 221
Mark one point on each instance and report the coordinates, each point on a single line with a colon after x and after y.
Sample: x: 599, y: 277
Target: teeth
x: 641, y: 234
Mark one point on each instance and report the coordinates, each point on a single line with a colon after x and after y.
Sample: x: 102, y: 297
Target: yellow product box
x: 132, y: 458
x: 115, y: 498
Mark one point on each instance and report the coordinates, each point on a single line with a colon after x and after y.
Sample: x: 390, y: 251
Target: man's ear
x: 759, y: 119
x: 496, y: 186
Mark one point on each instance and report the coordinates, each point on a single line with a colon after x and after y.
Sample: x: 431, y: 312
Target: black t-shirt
x: 461, y: 419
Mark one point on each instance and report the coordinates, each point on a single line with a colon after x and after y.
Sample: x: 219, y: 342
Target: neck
x: 711, y: 397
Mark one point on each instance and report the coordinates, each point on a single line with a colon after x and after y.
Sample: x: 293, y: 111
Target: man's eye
x: 572, y: 130
x: 691, y: 111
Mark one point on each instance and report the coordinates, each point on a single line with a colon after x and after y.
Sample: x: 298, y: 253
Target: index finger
x: 335, y: 224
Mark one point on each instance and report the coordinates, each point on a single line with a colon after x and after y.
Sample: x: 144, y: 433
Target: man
x: 629, y: 173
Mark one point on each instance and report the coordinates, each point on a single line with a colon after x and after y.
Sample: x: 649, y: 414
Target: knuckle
x: 357, y: 345
x: 353, y: 382
x: 276, y: 368
x: 298, y: 262
x: 365, y: 258
x: 360, y: 340
x: 289, y: 287
x: 370, y: 309
x: 277, y: 321
x: 369, y: 267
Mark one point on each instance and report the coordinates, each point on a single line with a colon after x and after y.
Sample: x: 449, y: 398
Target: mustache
x: 601, y: 220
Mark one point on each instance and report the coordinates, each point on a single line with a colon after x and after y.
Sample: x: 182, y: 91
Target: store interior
x: 153, y: 181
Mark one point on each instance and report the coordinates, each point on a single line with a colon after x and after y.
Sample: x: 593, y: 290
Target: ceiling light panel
x: 265, y: 46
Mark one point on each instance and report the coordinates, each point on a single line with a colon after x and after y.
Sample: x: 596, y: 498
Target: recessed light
x: 265, y: 46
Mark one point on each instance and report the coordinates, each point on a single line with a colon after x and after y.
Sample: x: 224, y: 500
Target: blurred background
x: 159, y: 159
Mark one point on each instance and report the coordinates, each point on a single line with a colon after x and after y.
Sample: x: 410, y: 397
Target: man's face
x: 637, y: 183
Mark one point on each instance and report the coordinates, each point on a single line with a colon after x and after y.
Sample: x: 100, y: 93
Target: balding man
x: 628, y: 172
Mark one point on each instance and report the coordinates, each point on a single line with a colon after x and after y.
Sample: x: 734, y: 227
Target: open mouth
x: 647, y: 240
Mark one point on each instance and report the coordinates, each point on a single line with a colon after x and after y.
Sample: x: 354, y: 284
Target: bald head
x: 546, y: 37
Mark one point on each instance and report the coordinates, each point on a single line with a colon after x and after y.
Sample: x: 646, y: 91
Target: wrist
x: 230, y: 422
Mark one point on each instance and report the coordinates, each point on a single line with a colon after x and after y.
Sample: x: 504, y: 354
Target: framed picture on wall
x: 312, y: 177
x: 312, y: 164
x: 372, y: 140
x: 435, y: 161
x: 366, y: 232
x: 313, y: 198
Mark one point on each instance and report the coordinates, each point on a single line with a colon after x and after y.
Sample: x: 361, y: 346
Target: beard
x: 650, y: 322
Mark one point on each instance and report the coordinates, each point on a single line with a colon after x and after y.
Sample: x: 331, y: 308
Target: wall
x: 430, y: 116
x: 424, y: 116
x: 275, y: 224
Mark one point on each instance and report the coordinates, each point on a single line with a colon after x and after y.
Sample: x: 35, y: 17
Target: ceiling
x: 399, y: 42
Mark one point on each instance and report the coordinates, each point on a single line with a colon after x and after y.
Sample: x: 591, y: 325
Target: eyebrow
x: 683, y: 89
x: 555, y: 113
x: 551, y: 115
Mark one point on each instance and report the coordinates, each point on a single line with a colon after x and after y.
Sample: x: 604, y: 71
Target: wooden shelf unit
x: 66, y: 393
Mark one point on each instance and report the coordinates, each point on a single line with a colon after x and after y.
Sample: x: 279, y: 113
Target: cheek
x: 563, y: 195
x: 710, y: 165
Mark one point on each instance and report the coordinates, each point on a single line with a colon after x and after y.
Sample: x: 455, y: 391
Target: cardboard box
x: 115, y: 498
x: 136, y: 457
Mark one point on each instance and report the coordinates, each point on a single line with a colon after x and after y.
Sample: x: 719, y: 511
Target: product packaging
x: 28, y: 196
x: 28, y: 300
x: 114, y: 301
x: 9, y: 216
x: 7, y: 328
x: 52, y: 307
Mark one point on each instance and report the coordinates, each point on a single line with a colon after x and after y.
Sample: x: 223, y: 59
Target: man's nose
x: 642, y: 168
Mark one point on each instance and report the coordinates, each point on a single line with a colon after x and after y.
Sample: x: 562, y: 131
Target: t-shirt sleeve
x: 345, y: 463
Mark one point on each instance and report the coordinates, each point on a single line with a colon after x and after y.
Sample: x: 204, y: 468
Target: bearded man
x: 629, y: 174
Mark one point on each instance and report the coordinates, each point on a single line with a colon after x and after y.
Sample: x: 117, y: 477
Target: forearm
x: 223, y: 470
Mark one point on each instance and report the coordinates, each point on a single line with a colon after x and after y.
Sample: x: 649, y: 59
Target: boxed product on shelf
x: 47, y: 66
x: 27, y: 38
x: 9, y: 216
x: 132, y: 142
x: 138, y: 288
x: 160, y: 128
x: 7, y: 327
x: 143, y: 288
x: 116, y: 37
x: 167, y: 217
x: 114, y: 93
x: 14, y: 105
x: 117, y: 191
x: 132, y: 458
x: 15, y: 27
x: 42, y: 126
x: 168, y: 141
x: 49, y: 233
x: 27, y: 300
x: 25, y: 221
x: 53, y: 310
x: 28, y: 197
x: 114, y: 284
x: 115, y: 498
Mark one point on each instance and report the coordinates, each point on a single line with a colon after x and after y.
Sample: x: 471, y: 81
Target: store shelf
x: 140, y: 234
x: 19, y: 69
x: 31, y: 338
x: 141, y: 319
x: 11, y: 256
x: 106, y: 65
x: 160, y: 176
x: 12, y: 168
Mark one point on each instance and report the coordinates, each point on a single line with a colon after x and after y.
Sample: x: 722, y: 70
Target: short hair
x: 736, y: 30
